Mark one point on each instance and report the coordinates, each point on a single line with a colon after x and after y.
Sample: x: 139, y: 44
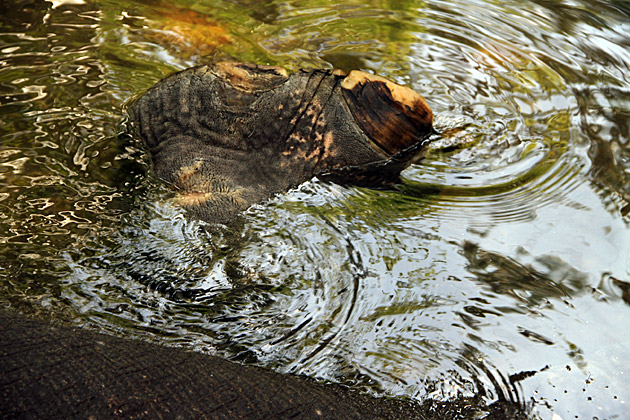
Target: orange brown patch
x: 250, y: 77
x: 394, y: 117
x: 188, y: 31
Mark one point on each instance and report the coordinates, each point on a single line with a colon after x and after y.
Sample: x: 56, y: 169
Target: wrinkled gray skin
x: 227, y: 136
x: 57, y: 372
x: 232, y: 134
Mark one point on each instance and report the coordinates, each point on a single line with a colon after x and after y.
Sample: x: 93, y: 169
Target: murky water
x: 507, y: 250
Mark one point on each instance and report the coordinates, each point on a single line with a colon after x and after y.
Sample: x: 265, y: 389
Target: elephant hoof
x: 228, y: 135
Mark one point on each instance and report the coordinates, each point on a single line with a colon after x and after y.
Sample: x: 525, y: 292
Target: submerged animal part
x: 228, y: 135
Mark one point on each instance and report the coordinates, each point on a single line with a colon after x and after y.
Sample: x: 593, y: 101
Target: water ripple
x: 498, y: 254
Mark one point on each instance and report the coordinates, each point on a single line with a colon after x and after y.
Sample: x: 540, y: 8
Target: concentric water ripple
x: 505, y: 251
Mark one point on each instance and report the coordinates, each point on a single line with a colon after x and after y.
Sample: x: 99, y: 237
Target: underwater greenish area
x: 500, y: 264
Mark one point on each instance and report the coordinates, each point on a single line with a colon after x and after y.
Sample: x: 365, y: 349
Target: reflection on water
x: 505, y: 252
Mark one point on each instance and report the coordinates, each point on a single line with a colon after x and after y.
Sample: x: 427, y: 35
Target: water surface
x: 507, y: 250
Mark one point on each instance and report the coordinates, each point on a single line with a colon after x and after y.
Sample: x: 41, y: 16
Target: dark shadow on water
x: 552, y: 278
